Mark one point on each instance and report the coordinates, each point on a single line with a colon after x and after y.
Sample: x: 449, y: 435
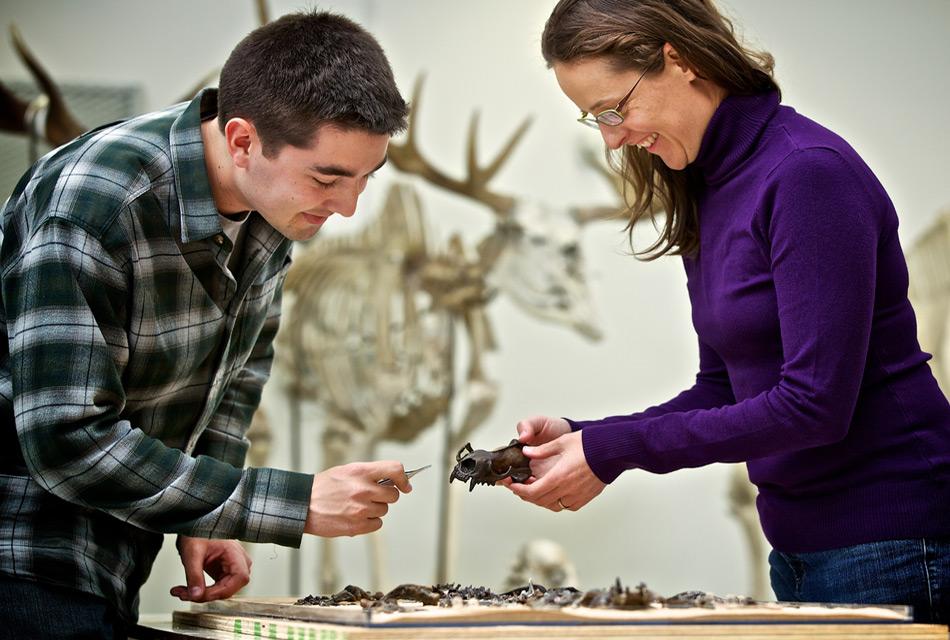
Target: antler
x: 61, y: 125
x: 406, y: 157
x: 263, y: 17
x: 594, y: 213
x: 12, y: 112
x: 263, y: 13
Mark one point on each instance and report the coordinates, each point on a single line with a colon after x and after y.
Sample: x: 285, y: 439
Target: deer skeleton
x: 370, y: 335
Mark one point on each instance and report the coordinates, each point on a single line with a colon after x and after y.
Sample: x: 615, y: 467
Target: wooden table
x: 239, y: 619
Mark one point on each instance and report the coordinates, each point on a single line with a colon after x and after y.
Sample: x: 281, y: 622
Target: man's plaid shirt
x: 131, y: 361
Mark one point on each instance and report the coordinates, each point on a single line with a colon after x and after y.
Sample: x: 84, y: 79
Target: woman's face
x: 666, y: 114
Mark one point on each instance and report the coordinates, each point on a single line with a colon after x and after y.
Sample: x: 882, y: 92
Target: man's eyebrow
x: 380, y: 165
x: 336, y: 170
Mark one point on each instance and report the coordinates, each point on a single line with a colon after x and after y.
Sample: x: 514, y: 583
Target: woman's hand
x: 561, y: 476
x: 540, y: 429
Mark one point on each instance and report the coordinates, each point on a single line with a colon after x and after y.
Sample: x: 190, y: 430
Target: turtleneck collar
x: 732, y: 133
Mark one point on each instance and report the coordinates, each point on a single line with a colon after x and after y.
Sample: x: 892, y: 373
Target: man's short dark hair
x: 304, y: 70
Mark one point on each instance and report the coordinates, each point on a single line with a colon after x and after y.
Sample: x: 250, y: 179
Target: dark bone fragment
x: 479, y: 466
x: 532, y: 595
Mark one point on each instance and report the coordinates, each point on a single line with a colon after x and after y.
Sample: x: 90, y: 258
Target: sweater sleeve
x: 820, y: 229
x: 712, y: 389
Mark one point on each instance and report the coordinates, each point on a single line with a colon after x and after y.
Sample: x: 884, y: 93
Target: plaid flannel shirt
x: 132, y: 361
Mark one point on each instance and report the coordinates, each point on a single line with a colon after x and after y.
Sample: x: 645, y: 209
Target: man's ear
x: 673, y: 57
x: 241, y: 138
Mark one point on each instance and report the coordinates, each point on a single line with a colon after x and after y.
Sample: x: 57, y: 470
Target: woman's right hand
x: 562, y: 479
x: 535, y: 431
x: 538, y: 430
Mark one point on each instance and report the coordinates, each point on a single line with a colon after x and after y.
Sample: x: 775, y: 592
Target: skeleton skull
x: 487, y: 467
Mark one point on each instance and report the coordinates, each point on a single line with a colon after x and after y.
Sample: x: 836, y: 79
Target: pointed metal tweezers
x: 389, y: 482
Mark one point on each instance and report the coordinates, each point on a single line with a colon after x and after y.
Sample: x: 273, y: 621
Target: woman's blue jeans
x: 910, y: 572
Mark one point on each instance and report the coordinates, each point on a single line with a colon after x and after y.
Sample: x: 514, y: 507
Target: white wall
x: 873, y: 70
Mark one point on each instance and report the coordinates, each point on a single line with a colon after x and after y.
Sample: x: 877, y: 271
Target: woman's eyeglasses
x: 611, y: 117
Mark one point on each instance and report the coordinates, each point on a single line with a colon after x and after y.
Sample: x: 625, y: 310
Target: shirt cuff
x: 279, y: 506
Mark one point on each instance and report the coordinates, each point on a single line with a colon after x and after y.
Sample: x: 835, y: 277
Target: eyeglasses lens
x: 610, y: 118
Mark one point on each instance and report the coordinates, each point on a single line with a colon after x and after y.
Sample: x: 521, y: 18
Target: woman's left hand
x: 562, y: 479
x: 224, y: 560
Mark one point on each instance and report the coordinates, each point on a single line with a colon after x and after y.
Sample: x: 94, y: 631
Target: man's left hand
x: 224, y: 560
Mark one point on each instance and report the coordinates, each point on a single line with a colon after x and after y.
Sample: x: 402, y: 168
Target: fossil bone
x: 488, y: 467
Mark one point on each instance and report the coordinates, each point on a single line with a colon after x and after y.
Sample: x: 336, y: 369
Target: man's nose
x: 345, y: 204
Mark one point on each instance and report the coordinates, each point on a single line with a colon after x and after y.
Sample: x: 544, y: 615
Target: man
x: 141, y: 267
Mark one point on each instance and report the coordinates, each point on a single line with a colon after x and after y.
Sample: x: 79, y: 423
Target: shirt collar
x: 199, y: 216
x: 732, y: 134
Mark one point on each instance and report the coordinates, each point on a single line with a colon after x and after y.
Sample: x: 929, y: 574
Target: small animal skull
x: 543, y: 562
x: 487, y: 467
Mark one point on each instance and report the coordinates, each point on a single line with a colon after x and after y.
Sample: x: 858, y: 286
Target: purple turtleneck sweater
x: 809, y: 365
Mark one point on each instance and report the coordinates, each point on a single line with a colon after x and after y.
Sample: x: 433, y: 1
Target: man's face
x: 297, y: 189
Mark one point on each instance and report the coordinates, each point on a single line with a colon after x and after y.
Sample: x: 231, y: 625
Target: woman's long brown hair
x: 629, y: 34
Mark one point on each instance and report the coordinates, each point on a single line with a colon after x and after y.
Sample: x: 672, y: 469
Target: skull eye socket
x: 467, y: 466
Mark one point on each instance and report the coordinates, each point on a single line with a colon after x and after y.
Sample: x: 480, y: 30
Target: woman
x: 810, y: 370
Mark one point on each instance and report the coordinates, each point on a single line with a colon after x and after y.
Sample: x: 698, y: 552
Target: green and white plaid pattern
x: 132, y: 361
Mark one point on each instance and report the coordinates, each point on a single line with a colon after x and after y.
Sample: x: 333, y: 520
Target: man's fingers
x: 385, y: 494
x: 372, y: 524
x: 390, y: 470
x: 193, y: 564
x: 349, y: 501
x: 401, y: 482
x: 226, y: 587
x: 377, y: 509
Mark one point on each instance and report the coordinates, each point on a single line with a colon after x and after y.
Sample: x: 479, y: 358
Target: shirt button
x: 219, y: 239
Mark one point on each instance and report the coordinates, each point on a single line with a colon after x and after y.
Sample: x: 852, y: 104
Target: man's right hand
x: 348, y: 500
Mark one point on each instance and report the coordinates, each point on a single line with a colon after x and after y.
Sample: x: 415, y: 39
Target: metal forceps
x: 388, y: 482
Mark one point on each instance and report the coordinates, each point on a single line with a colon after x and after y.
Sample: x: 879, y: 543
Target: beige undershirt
x: 234, y: 229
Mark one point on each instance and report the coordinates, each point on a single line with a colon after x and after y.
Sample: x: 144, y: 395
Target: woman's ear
x: 674, y: 59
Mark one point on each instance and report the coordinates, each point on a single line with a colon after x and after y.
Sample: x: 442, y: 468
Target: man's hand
x: 348, y: 500
x: 561, y: 476
x: 225, y: 561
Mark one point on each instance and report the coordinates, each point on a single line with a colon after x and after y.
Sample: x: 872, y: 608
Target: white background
x: 875, y: 71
